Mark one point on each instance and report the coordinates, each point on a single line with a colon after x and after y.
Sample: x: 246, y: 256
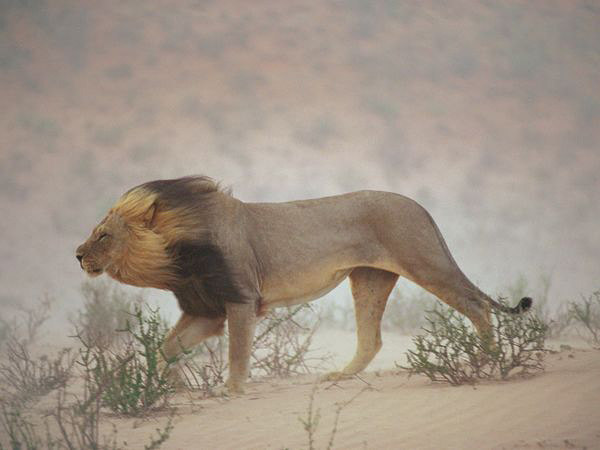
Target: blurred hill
x: 488, y: 113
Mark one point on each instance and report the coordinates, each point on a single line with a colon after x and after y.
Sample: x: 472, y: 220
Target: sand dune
x: 557, y: 409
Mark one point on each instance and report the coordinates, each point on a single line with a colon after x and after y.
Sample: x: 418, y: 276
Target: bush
x: 19, y: 432
x: 26, y: 377
x: 204, y: 368
x: 106, y: 309
x: 451, y: 351
x: 586, y: 317
x: 78, y: 425
x: 131, y: 376
x: 280, y: 348
x: 282, y: 344
x: 23, y: 376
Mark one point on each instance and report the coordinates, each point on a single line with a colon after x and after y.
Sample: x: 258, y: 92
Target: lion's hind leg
x: 370, y: 290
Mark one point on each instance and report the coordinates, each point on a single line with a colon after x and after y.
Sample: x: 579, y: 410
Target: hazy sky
x: 488, y: 113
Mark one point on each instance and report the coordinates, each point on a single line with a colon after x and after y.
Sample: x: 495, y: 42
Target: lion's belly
x: 293, y: 292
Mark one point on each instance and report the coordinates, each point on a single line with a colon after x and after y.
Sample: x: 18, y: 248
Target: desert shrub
x: 106, y: 309
x: 281, y: 348
x: 77, y: 423
x: 19, y: 431
x: 22, y: 375
x: 586, y: 317
x: 451, y: 351
x: 131, y: 376
x: 204, y: 368
x: 77, y: 418
x: 29, y: 322
x: 282, y: 343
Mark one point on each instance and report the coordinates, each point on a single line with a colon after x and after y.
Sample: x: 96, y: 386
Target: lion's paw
x: 176, y: 379
x: 335, y: 376
x: 227, y: 390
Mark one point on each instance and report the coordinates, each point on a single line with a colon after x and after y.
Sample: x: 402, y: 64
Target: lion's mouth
x: 94, y: 272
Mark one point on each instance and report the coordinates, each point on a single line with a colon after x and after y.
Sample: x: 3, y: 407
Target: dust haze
x: 487, y: 113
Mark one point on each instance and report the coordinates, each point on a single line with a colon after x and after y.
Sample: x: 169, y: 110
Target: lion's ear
x: 149, y: 216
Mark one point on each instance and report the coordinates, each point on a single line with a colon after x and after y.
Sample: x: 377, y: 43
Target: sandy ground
x: 557, y: 409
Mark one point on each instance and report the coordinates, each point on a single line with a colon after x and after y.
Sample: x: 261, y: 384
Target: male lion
x: 226, y: 259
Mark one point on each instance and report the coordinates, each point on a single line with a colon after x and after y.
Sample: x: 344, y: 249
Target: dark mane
x: 178, y: 192
x: 204, y: 281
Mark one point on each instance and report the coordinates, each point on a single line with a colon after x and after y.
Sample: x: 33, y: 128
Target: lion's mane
x: 170, y: 243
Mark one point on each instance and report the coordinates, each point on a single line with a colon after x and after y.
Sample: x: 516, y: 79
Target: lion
x: 225, y: 259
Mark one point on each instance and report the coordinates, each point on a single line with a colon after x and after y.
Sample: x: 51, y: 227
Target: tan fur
x: 281, y: 254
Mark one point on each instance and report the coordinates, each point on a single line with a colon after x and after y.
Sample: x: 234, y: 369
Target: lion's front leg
x: 241, y: 319
x: 188, y: 332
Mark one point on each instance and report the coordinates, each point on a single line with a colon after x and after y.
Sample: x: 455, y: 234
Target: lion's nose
x: 79, y: 257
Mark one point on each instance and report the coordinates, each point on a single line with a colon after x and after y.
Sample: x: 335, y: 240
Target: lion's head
x: 131, y: 243
x: 105, y: 246
x: 158, y: 235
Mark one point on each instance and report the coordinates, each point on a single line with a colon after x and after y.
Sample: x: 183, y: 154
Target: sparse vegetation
x: 4, y: 332
x: 450, y: 350
x: 281, y: 348
x: 130, y: 375
x: 106, y: 309
x: 22, y: 375
x: 586, y: 318
x: 204, y: 368
x: 282, y: 344
x: 73, y: 421
x: 311, y: 421
x: 19, y: 432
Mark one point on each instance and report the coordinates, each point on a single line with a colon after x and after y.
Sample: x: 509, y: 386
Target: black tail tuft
x: 524, y: 304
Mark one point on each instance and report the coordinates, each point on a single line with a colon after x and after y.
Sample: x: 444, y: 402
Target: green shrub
x: 131, y: 377
x: 126, y: 378
x: 450, y: 350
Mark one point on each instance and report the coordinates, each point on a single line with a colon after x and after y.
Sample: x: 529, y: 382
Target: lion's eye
x: 102, y: 236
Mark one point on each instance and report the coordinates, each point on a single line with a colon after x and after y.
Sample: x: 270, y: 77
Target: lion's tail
x: 523, y: 306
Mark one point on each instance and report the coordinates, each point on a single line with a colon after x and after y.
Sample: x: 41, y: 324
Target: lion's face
x: 104, y: 247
